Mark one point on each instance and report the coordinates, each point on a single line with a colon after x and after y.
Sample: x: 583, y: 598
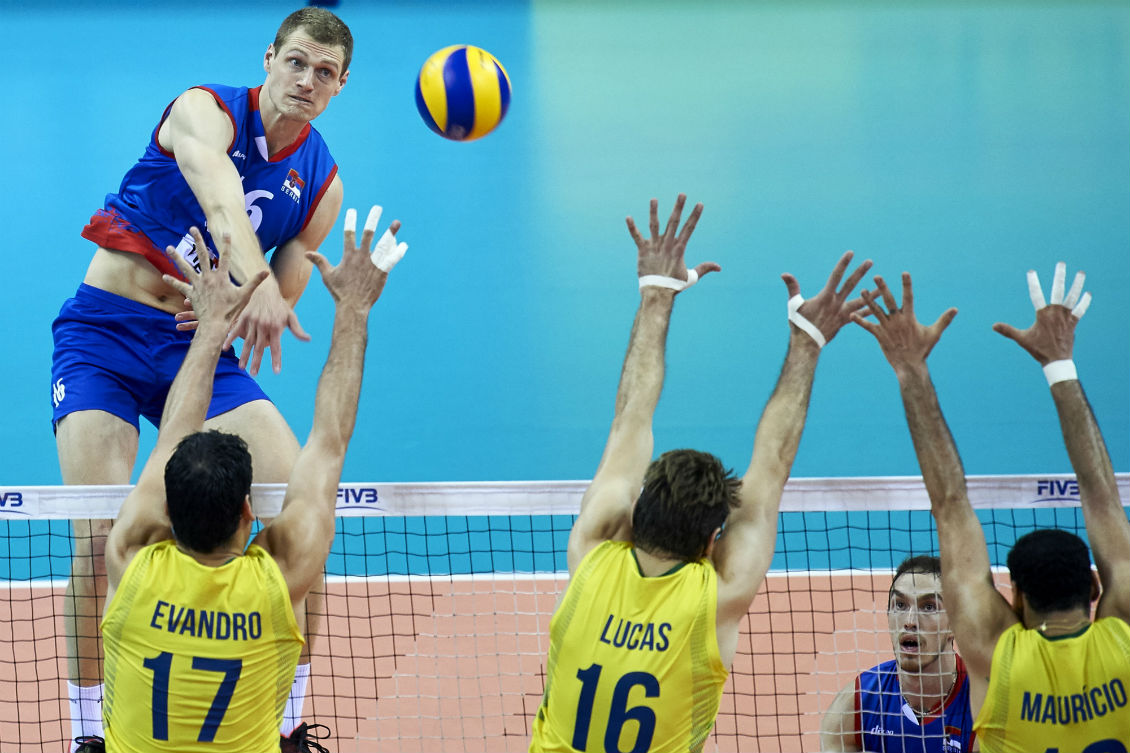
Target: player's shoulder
x: 1115, y: 626
x: 606, y: 551
x: 224, y: 91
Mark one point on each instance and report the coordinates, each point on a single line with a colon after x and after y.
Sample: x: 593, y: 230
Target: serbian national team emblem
x: 952, y: 741
x: 293, y: 184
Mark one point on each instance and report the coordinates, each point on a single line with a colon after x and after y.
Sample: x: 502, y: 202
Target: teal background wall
x: 963, y: 142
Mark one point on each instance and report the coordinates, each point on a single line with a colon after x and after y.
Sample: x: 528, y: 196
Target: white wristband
x: 1060, y: 371
x: 671, y: 283
x: 798, y: 319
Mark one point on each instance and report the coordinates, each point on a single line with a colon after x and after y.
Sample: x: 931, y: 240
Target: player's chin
x: 305, y: 108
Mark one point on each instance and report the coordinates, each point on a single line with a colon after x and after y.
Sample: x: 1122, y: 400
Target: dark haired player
x: 917, y: 702
x: 1043, y: 675
x: 229, y: 160
x: 646, y: 631
x: 200, y: 630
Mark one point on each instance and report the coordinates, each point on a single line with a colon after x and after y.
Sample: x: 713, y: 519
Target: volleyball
x: 462, y: 92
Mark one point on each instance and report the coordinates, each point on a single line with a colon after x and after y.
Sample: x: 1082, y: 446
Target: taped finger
x: 1076, y: 289
x: 1057, y: 283
x: 387, y: 252
x: 373, y: 218
x: 1034, y: 291
x: 351, y: 221
x: 1081, y: 307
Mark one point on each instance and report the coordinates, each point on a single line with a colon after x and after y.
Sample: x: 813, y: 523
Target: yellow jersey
x: 1066, y: 694
x: 633, y: 661
x: 198, y: 654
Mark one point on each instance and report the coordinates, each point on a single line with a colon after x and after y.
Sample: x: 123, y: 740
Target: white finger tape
x: 1081, y: 307
x: 373, y: 218
x: 1057, y: 283
x: 1075, y: 299
x: 1034, y: 291
x: 387, y: 251
x: 800, y: 321
x: 351, y: 221
x: 1076, y: 289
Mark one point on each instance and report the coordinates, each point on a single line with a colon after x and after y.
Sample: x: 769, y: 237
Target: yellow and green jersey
x: 1066, y: 694
x: 633, y: 661
x: 198, y: 655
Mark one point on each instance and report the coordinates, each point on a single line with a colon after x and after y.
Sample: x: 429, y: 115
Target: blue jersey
x: 154, y: 207
x: 887, y: 724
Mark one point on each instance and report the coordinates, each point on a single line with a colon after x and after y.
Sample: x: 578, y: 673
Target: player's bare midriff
x: 131, y: 276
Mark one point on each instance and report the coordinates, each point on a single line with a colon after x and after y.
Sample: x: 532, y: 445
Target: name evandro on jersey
x: 206, y: 623
x: 635, y: 635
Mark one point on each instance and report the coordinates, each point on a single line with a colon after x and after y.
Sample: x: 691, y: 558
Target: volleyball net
x: 438, y: 599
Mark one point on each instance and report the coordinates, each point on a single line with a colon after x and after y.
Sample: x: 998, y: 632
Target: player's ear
x: 1017, y: 601
x: 268, y: 56
x: 1095, y: 589
x: 714, y: 536
x: 341, y: 83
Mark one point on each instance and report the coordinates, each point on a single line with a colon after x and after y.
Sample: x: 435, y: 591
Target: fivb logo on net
x: 13, y: 502
x: 361, y: 498
x: 1056, y: 490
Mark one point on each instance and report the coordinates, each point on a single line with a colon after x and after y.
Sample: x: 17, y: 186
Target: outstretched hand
x: 830, y: 309
x: 661, y: 256
x: 904, y: 341
x: 357, y: 281
x: 213, y: 295
x: 1052, y: 336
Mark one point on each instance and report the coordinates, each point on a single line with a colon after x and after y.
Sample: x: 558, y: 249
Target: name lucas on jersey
x: 636, y: 636
x: 207, y: 623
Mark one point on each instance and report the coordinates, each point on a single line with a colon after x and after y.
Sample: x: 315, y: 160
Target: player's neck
x: 221, y: 555
x: 280, y: 131
x: 1059, y: 623
x: 927, y: 689
x: 652, y: 565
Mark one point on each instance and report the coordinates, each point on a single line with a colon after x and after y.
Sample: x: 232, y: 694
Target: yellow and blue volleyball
x: 462, y: 92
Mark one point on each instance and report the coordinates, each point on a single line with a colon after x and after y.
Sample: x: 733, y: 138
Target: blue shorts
x: 120, y: 356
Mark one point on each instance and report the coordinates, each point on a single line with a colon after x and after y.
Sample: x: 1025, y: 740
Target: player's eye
x: 325, y: 74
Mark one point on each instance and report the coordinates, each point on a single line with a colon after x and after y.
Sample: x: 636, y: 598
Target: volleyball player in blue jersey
x: 234, y: 161
x: 917, y: 702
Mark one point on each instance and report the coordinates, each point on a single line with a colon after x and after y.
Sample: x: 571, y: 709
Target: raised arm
x: 978, y: 612
x: 1051, y: 340
x: 839, y: 727
x: 142, y: 519
x: 606, y: 506
x: 299, y: 538
x: 199, y: 133
x: 289, y: 263
x: 743, y: 554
